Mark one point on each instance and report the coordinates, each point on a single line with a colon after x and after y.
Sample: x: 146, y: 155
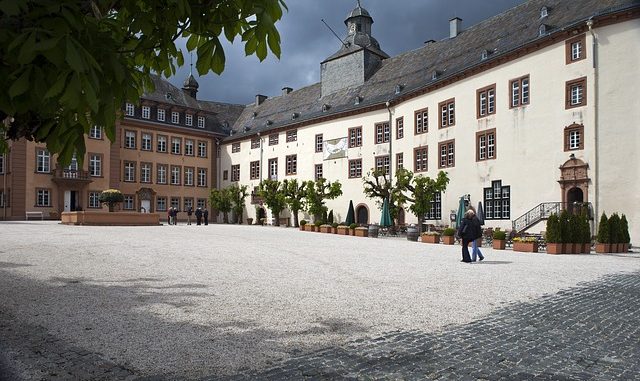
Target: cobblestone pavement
x: 590, y: 332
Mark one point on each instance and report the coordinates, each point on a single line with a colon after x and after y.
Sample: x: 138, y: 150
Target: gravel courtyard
x: 200, y: 302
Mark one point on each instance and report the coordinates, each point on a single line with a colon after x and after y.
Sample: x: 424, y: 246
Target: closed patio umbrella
x: 351, y: 214
x: 480, y: 213
x: 385, y: 219
x: 461, y: 210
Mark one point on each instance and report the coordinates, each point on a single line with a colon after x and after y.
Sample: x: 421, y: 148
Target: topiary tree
x: 564, y: 227
x: 553, y: 229
x: 237, y: 194
x: 573, y: 229
x: 220, y: 200
x: 614, y: 229
x: 111, y: 197
x: 603, y: 230
x: 317, y: 192
x: 585, y: 229
x: 274, y: 196
x: 624, y: 225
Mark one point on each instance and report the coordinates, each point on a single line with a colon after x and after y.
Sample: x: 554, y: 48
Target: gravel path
x: 192, y: 301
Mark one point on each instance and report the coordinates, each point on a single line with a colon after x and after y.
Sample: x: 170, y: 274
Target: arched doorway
x: 575, y: 195
x: 261, y: 215
x: 362, y: 214
x: 574, y: 181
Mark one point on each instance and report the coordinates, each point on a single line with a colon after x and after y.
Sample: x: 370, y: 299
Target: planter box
x: 555, y: 248
x: 625, y: 247
x: 602, y: 248
x: 352, y: 232
x: 361, y: 232
x: 316, y: 228
x: 448, y: 239
x: 586, y: 248
x: 499, y: 244
x: 343, y: 230
x: 326, y: 229
x: 428, y: 238
x: 527, y: 247
x: 302, y: 227
x: 110, y: 218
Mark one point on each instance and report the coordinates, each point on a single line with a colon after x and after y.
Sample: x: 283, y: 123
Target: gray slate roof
x: 413, y: 70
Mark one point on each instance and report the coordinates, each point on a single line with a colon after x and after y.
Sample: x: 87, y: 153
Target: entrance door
x: 74, y: 201
x: 575, y: 198
x: 362, y: 215
x: 145, y: 206
x: 67, y: 201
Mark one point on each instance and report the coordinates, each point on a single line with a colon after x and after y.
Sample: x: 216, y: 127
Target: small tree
x: 603, y: 229
x: 586, y: 229
x: 573, y: 230
x: 421, y: 191
x: 564, y: 227
x: 220, y: 200
x: 238, y: 194
x: 614, y: 229
x: 273, y: 194
x: 376, y: 186
x: 294, y: 197
x: 553, y: 229
x: 317, y: 192
x: 111, y: 197
x: 626, y: 238
x: 330, y: 217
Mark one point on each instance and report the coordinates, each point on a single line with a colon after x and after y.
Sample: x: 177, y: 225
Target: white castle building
x: 533, y: 106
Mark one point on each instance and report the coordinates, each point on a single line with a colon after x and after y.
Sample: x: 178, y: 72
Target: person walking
x: 189, y: 213
x: 206, y: 216
x: 169, y: 213
x: 467, y: 233
x: 477, y: 229
x: 199, y: 216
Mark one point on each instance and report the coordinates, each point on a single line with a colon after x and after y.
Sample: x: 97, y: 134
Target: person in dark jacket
x: 477, y: 229
x: 206, y: 216
x: 199, y: 216
x: 189, y: 213
x: 467, y: 232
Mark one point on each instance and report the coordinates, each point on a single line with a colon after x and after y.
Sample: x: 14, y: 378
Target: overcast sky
x: 399, y: 26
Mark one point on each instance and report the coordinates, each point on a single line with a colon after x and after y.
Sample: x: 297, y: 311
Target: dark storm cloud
x: 399, y: 26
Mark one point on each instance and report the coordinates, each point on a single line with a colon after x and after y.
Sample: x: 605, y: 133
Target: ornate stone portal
x: 574, y: 181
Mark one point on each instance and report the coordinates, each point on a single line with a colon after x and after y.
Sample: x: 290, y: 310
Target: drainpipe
x: 388, y: 104
x: 596, y: 171
x: 261, y: 166
x: 4, y: 186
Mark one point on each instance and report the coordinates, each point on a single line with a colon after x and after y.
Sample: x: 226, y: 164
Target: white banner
x: 335, y: 148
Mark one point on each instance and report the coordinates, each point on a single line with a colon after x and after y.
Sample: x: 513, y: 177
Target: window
x: 43, y: 161
x: 175, y: 175
x: 201, y: 122
x: 382, y: 164
x: 147, y: 140
x: 574, y: 137
x: 319, y: 143
x: 43, y: 197
x: 202, y: 203
x: 162, y: 174
x: 292, y: 136
x: 519, y: 91
x: 188, y: 203
x: 355, y: 168
x: 145, y: 172
x: 486, y: 145
x: 146, y: 112
x: 130, y: 139
x: 235, y: 172
x: 94, y: 200
x: 127, y: 204
x: 175, y: 203
x: 2, y: 161
x: 355, y: 137
x: 95, y: 165
x: 4, y: 199
x: 188, y: 176
x: 188, y: 119
x: 129, y: 171
x: 73, y: 166
x: 162, y: 143
x: 176, y: 144
x: 202, y: 149
x: 130, y: 110
x: 161, y: 204
x: 399, y: 160
x: 273, y: 139
x: 576, y: 93
x: 447, y: 113
x: 486, y: 101
x: 435, y: 213
x: 318, y: 171
x: 175, y: 117
x: 273, y: 169
x: 254, y: 170
x: 420, y: 159
x: 160, y: 115
x: 235, y: 147
x: 400, y: 128
x: 255, y: 143
x: 497, y: 201
x: 575, y: 49
x: 188, y: 147
x: 202, y: 177
x: 382, y: 132
x: 291, y: 164
x: 421, y: 121
x: 225, y: 175
x: 95, y: 132
x: 447, y: 154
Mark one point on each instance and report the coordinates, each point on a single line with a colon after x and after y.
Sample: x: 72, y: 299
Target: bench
x: 33, y: 214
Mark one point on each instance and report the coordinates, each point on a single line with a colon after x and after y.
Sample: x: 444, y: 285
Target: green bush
x: 626, y: 238
x: 500, y: 234
x: 334, y: 225
x: 449, y: 232
x: 603, y: 229
x: 303, y: 222
x: 318, y: 223
x: 585, y: 229
x: 564, y: 227
x: 574, y: 234
x: 615, y: 229
x: 353, y: 226
x: 553, y: 229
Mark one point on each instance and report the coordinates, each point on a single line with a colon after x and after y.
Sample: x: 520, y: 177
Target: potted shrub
x: 499, y: 239
x: 343, y: 230
x: 326, y: 228
x: 585, y: 234
x: 552, y: 236
x: 316, y: 226
x: 361, y: 231
x: 603, y: 246
x: 352, y: 229
x: 614, y: 233
x: 525, y: 244
x: 573, y: 245
x: 626, y: 238
x: 448, y: 236
x: 335, y: 227
x: 430, y: 237
x: 302, y: 225
x: 111, y: 197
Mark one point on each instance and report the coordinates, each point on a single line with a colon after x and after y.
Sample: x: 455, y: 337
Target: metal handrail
x: 546, y: 209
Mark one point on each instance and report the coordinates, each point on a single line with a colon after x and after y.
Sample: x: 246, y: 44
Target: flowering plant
x: 525, y: 239
x: 430, y: 233
x: 111, y: 197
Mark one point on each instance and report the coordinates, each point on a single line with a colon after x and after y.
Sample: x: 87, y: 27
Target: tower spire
x: 191, y: 65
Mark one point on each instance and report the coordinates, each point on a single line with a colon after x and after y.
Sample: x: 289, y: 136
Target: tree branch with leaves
x: 272, y: 192
x: 317, y: 192
x: 295, y: 197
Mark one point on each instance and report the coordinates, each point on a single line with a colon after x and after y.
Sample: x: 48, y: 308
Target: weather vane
x: 358, y: 3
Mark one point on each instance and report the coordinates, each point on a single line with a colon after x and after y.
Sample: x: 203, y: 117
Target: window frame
x: 189, y: 147
x: 235, y: 172
x: 449, y: 156
x: 486, y: 134
x: 569, y: 44
x: 235, y: 147
x: 488, y: 92
x: 355, y: 136
x: 399, y: 160
x: 93, y: 200
x: 175, y: 117
x: 146, y: 112
x: 447, y: 109
x: 95, y: 132
x: 400, y: 128
x: 421, y: 126
x: 143, y: 141
x: 575, y: 127
x: 569, y: 85
x: 255, y: 142
x: 174, y: 140
x: 319, y: 143
x: 188, y: 119
x: 273, y: 164
x: 318, y: 171
x: 421, y: 163
x: 92, y: 167
x: 355, y: 168
x: 188, y: 181
x: 382, y: 132
x: 291, y: 165
x: 523, y: 82
x: 175, y: 174
x: 491, y: 202
x: 383, y: 162
x: 161, y: 114
x: 201, y: 122
x: 274, y: 139
x: 202, y: 183
x: 129, y: 171
x: 43, y: 160
x: 130, y: 139
x: 164, y: 140
x: 201, y: 144
x: 126, y: 199
x: 45, y: 191
x: 161, y: 203
x: 129, y: 109
x: 164, y: 169
x: 254, y: 170
x: 149, y: 166
x: 292, y: 136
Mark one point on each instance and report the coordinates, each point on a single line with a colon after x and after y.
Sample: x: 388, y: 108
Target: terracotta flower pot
x: 555, y: 248
x: 602, y: 248
x: 499, y: 244
x: 343, y: 230
x: 429, y: 238
x: 527, y: 247
x: 361, y: 232
x: 448, y: 239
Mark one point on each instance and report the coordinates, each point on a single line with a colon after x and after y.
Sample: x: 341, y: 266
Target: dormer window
x: 294, y: 115
x: 161, y: 115
x: 542, y: 30
x: 268, y: 122
x: 169, y: 96
x: 253, y: 116
x: 325, y: 107
x: 201, y: 122
x: 358, y: 100
x: 130, y: 109
x: 484, y: 55
x: 398, y: 89
x: 435, y: 75
x: 544, y: 12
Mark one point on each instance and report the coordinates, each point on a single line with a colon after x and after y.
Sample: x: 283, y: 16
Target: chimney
x: 455, y: 27
x: 260, y: 99
x: 286, y: 90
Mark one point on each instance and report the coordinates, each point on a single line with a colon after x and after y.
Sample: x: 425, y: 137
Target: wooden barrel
x: 373, y: 231
x: 412, y: 233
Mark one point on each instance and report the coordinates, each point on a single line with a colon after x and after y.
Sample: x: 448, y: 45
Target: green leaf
x: 27, y: 51
x: 57, y: 87
x: 21, y: 85
x: 73, y: 57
